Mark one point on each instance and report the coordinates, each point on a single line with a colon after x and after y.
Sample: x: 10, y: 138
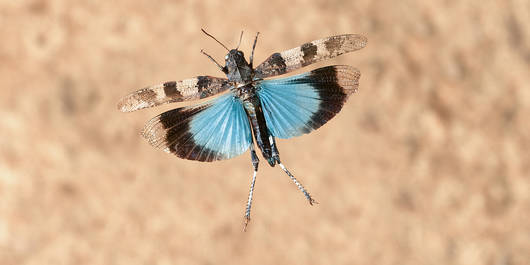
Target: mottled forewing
x: 302, y: 103
x: 173, y: 91
x: 215, y: 130
x: 308, y: 53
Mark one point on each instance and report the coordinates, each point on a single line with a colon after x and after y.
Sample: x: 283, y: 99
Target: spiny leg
x: 253, y: 48
x: 255, y: 163
x: 213, y: 60
x: 276, y: 156
x: 298, y: 184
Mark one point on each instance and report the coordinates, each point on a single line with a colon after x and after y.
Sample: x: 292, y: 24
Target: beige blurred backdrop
x: 428, y: 163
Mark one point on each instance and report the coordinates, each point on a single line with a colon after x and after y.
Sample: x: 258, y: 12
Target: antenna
x: 214, y: 39
x: 240, y: 37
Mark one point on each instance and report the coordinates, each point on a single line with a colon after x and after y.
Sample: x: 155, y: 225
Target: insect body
x: 254, y: 109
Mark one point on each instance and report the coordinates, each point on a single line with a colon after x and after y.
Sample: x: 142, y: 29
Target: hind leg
x: 276, y: 157
x: 255, y: 163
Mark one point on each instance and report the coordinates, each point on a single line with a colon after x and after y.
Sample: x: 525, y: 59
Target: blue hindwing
x: 214, y: 130
x: 302, y: 103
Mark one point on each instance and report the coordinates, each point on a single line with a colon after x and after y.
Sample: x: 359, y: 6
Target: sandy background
x: 428, y: 164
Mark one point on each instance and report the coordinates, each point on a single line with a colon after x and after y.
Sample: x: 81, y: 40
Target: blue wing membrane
x: 214, y: 130
x: 302, y: 103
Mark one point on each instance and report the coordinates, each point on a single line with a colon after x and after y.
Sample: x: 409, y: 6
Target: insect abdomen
x: 259, y: 127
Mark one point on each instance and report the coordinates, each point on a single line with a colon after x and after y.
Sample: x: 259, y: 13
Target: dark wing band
x: 308, y: 53
x: 173, y: 91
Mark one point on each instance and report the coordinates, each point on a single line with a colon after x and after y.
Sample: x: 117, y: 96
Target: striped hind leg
x: 255, y: 163
x: 276, y: 157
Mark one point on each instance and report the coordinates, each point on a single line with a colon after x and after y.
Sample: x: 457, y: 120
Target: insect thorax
x: 237, y: 68
x: 245, y: 92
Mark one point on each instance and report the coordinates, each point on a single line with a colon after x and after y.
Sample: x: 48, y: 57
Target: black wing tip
x: 334, y: 85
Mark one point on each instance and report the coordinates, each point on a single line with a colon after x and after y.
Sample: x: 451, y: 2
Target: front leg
x: 223, y: 69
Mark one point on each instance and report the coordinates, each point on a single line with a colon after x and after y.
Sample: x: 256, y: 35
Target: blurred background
x: 428, y: 163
